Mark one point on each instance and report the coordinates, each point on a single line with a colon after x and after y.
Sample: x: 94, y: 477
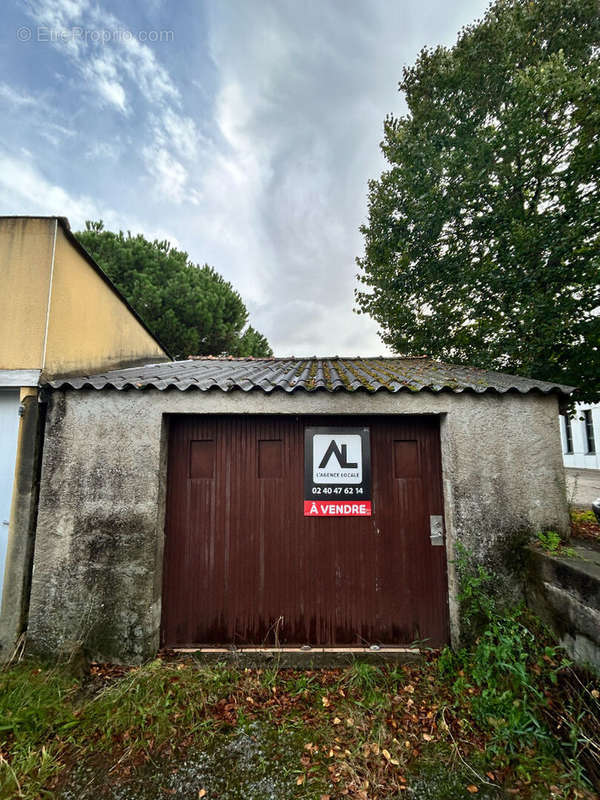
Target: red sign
x: 331, y: 508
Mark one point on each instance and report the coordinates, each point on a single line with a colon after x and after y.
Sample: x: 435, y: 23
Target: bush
x: 506, y: 676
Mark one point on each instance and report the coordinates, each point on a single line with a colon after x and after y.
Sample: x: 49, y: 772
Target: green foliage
x: 483, y: 243
x: 477, y: 596
x: 301, y: 685
x: 550, y: 540
x: 583, y: 516
x: 552, y: 543
x: 363, y: 677
x: 191, y: 308
x: 504, y: 678
x: 172, y: 727
x: 34, y: 702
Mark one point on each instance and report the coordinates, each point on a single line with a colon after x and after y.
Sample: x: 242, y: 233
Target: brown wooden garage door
x: 243, y: 565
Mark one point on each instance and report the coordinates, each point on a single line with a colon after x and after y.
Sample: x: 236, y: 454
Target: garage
x: 313, y: 503
x: 245, y: 566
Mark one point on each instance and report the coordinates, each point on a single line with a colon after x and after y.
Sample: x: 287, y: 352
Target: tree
x: 482, y: 241
x: 192, y: 309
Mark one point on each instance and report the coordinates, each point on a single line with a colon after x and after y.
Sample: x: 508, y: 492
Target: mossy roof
x: 333, y: 374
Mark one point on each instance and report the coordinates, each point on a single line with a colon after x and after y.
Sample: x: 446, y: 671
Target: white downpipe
x: 49, y: 295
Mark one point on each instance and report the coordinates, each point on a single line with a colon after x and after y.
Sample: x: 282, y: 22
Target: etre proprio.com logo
x: 46, y: 34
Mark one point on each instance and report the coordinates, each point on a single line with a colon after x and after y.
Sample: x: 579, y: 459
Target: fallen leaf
x: 472, y: 789
x: 300, y: 779
x: 386, y: 755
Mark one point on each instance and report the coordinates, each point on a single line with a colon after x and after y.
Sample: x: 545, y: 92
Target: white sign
x: 337, y: 458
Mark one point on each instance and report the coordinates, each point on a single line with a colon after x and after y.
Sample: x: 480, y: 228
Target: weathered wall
x: 98, y: 558
x: 565, y: 592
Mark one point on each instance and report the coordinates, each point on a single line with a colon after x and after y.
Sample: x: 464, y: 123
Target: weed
x: 363, y: 677
x: 269, y: 677
x: 583, y: 516
x: 504, y: 678
x: 551, y: 542
x: 301, y: 685
x: 396, y: 677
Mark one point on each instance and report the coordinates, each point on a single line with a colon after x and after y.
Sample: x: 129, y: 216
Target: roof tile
x: 310, y: 374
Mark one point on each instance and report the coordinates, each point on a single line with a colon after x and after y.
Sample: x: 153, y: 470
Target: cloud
x: 169, y: 174
x: 15, y: 98
x: 252, y: 146
x: 102, y: 73
x: 24, y: 189
x: 117, y: 70
x: 303, y: 92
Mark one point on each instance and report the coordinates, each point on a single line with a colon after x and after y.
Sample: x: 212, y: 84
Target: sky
x: 245, y: 132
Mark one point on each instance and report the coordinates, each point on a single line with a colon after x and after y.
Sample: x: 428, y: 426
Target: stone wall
x: 565, y: 593
x: 98, y: 555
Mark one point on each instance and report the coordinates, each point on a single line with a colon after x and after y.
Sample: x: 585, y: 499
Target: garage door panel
x: 244, y: 566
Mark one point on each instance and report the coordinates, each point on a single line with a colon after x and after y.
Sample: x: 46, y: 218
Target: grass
x: 174, y: 727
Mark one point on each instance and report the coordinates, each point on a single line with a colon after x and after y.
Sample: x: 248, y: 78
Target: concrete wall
x: 565, y: 593
x: 57, y: 315
x: 98, y: 554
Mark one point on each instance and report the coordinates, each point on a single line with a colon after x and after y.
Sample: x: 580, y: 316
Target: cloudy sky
x: 244, y: 131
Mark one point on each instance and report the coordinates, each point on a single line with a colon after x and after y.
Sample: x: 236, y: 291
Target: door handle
x: 436, y: 531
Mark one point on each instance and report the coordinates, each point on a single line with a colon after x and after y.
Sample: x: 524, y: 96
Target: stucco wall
x: 57, y: 313
x: 25, y: 258
x: 107, y: 333
x: 98, y: 558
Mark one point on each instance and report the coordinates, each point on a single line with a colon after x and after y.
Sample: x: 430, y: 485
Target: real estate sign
x: 337, y: 472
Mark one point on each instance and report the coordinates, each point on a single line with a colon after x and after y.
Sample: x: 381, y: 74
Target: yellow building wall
x: 87, y: 329
x: 25, y: 259
x: 90, y: 328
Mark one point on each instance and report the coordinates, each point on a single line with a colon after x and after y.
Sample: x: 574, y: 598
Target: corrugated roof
x: 311, y: 374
